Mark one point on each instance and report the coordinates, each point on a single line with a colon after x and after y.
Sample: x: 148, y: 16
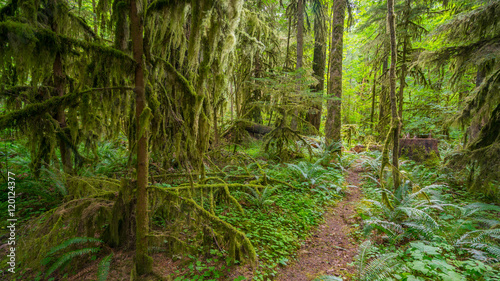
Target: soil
x: 331, y: 248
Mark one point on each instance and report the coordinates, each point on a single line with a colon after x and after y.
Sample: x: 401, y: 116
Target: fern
x: 103, y: 268
x: 72, y: 241
x: 309, y: 172
x: 482, y: 244
x: 364, y: 252
x: 261, y: 199
x: 379, y: 268
x: 68, y: 257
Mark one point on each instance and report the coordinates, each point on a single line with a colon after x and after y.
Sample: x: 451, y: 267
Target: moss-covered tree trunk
x: 59, y: 86
x: 395, y: 122
x: 143, y: 262
x: 257, y: 93
x: 319, y: 63
x: 374, y: 95
x: 288, y: 42
x: 333, y: 123
x: 382, y: 100
x: 404, y: 68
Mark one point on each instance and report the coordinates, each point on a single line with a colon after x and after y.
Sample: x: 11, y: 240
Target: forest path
x: 330, y: 249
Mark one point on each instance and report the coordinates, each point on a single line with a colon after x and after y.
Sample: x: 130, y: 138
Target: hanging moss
x: 234, y: 237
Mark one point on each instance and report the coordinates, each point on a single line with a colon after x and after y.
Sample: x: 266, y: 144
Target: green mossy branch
x: 31, y: 111
x: 218, y: 223
x: 48, y: 40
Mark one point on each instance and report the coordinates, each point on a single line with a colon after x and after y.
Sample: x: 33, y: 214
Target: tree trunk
x: 257, y: 94
x: 402, y: 80
x: 300, y: 32
x: 374, y: 92
x: 300, y: 53
x: 333, y: 123
x: 59, y: 86
x: 319, y: 63
x: 395, y: 124
x: 382, y: 100
x: 288, y: 41
x: 143, y: 262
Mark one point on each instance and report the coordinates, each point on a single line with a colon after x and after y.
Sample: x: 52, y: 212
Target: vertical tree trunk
x: 231, y: 100
x: 288, y: 41
x: 257, y: 94
x: 300, y: 32
x: 374, y: 92
x: 382, y: 100
x: 333, y: 123
x: 402, y: 79
x: 319, y: 63
x: 395, y: 124
x: 406, y: 15
x: 143, y: 262
x: 59, y: 86
x: 94, y: 12
x: 300, y: 53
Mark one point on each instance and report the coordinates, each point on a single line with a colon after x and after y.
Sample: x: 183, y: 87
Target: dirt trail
x: 329, y: 249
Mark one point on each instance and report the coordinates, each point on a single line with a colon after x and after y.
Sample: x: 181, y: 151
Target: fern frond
x: 381, y: 268
x: 68, y: 257
x: 103, y: 268
x: 72, y: 241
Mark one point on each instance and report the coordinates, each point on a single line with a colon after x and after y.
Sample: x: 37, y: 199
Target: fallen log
x: 258, y: 130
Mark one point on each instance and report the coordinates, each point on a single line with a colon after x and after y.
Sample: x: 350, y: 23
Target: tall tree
x: 333, y: 121
x: 300, y: 51
x: 143, y: 262
x: 319, y: 61
x: 393, y: 134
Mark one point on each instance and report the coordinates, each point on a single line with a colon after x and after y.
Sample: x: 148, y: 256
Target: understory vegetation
x: 430, y: 231
x: 228, y: 139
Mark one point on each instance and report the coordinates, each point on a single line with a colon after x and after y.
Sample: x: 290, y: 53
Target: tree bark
x: 288, y: 41
x: 391, y: 22
x: 382, y: 100
x: 374, y: 92
x: 59, y: 86
x: 402, y: 78
x: 143, y: 262
x: 333, y: 118
x: 319, y: 63
x: 300, y: 53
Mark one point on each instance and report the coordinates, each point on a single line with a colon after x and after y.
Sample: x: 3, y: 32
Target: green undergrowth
x: 276, y: 219
x: 33, y: 197
x: 431, y: 231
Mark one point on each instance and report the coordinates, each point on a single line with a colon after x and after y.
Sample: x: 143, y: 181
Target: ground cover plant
x: 249, y: 140
x: 428, y: 233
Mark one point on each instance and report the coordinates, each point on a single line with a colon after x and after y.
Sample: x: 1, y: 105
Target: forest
x: 250, y: 140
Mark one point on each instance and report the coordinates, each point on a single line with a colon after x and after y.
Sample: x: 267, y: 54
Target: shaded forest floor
x: 331, y: 248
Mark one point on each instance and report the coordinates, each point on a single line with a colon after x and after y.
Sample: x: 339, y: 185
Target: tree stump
x: 419, y: 149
